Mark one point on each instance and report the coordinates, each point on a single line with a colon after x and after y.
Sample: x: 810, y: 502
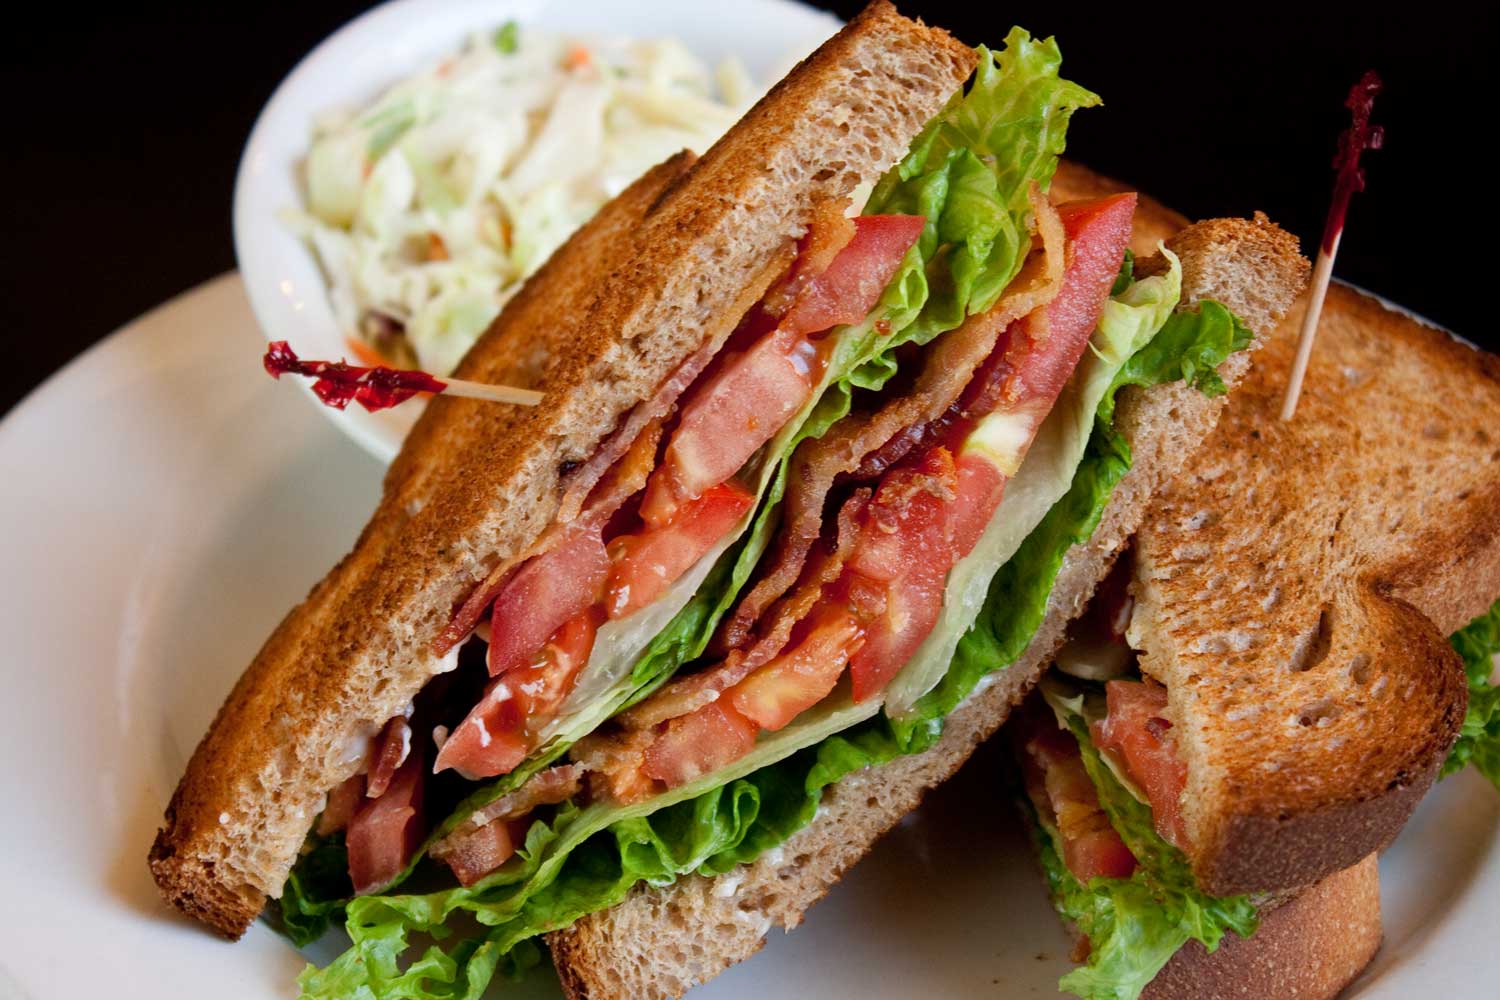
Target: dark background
x: 124, y: 129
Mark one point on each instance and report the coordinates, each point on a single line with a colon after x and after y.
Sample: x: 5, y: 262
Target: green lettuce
x: 547, y: 887
x: 969, y: 172
x: 1479, y: 739
x: 1134, y: 925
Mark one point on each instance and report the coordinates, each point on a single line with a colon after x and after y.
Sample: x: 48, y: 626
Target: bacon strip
x: 622, y: 481
x: 949, y: 366
x: 693, y: 692
x: 545, y: 788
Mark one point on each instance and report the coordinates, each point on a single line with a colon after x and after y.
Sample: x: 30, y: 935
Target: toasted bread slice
x: 660, y: 942
x: 1295, y: 588
x: 1308, y: 948
x: 651, y: 281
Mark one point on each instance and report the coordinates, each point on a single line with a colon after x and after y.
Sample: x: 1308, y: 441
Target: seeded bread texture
x: 1295, y: 588
x: 660, y: 942
x: 630, y: 297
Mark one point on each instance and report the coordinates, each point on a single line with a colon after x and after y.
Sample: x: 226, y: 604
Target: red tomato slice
x: 546, y: 592
x: 752, y: 395
x: 1060, y: 788
x: 386, y: 832
x: 921, y: 537
x: 1138, y: 734
x: 981, y: 487
x: 497, y: 735
x: 904, y: 543
x: 645, y: 564
x: 694, y: 745
x: 729, y: 417
x: 802, y: 676
x: 851, y: 286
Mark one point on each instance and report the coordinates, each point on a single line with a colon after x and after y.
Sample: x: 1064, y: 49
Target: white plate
x: 162, y: 508
x: 356, y: 63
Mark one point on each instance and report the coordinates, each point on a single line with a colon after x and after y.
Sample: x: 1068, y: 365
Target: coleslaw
x: 428, y: 208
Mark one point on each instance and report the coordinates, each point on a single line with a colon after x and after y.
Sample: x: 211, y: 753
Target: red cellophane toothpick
x: 1358, y: 137
x: 377, y: 388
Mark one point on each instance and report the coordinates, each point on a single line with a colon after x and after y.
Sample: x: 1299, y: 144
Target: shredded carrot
x: 578, y: 57
x: 436, y: 248
x: 366, y: 353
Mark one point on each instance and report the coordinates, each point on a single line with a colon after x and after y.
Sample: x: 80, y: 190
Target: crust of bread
x: 1308, y: 948
x: 1296, y: 586
x: 644, y: 286
x: 659, y: 942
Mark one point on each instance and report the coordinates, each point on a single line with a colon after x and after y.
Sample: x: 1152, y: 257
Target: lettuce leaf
x: 969, y: 171
x: 710, y: 834
x: 1479, y: 740
x: 1136, y: 925
x: 1130, y: 936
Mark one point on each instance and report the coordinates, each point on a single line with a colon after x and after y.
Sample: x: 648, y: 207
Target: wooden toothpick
x: 338, y: 382
x: 1358, y: 137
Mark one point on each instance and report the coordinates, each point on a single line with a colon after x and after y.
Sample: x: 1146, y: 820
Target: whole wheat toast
x: 1307, y: 947
x: 655, y: 277
x: 659, y: 942
x: 1295, y: 588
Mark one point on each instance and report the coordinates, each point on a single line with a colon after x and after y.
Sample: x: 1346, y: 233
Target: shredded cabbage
x: 427, y: 208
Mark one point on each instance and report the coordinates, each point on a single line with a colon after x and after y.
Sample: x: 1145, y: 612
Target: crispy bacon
x: 688, y: 694
x: 623, y: 480
x: 545, y: 788
x: 1062, y: 792
x: 342, y: 802
x: 475, y: 854
x: 950, y: 365
x: 390, y: 751
x: 615, y: 764
x: 627, y: 438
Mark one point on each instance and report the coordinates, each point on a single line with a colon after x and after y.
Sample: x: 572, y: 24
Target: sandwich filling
x: 795, y: 561
x: 1104, y: 783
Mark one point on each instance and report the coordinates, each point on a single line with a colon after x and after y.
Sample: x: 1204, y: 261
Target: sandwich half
x: 1265, y: 686
x: 839, y: 420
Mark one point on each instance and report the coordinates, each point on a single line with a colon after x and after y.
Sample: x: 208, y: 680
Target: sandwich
x: 837, y: 421
x: 1299, y: 640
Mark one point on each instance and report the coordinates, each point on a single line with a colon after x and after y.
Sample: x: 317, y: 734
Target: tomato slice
x: 905, y: 545
x: 855, y: 278
x: 698, y: 743
x: 752, y: 396
x: 802, y: 676
x: 1137, y: 733
x: 499, y: 732
x: 1061, y: 789
x: 645, y: 564
x: 546, y: 592
x: 385, y: 832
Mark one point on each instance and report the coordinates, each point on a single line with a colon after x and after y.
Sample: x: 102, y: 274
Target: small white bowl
x: 357, y: 62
